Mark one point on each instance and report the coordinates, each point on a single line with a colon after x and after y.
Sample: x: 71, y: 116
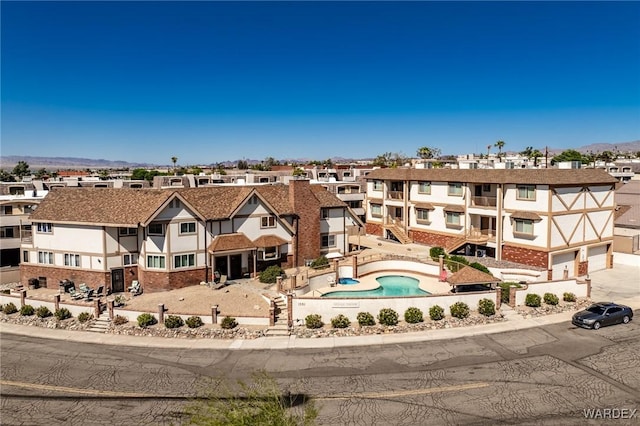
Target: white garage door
x: 597, y: 258
x: 559, y: 263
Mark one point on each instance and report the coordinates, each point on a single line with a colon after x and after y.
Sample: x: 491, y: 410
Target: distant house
x: 548, y: 218
x: 173, y: 238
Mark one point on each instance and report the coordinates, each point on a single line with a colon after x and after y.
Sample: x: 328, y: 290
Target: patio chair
x: 221, y: 283
x: 100, y: 291
x: 135, y: 288
x: 89, y: 295
x: 75, y: 295
x: 84, y: 288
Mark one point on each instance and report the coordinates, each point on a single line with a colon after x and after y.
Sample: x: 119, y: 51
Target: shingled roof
x: 129, y: 207
x: 100, y: 206
x: 227, y: 242
x: 470, y: 276
x: 500, y: 176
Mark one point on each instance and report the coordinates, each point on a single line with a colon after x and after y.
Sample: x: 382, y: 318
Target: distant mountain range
x: 9, y: 161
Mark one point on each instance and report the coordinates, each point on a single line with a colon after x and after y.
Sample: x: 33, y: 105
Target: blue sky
x: 215, y: 81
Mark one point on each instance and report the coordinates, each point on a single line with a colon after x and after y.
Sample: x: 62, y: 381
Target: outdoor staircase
x: 281, y: 328
x: 101, y: 324
x: 454, y: 244
x: 399, y: 233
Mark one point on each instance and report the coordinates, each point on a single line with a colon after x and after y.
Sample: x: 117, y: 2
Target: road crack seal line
x: 74, y: 390
x: 381, y: 395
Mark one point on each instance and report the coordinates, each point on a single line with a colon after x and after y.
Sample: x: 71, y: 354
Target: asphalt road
x: 536, y: 376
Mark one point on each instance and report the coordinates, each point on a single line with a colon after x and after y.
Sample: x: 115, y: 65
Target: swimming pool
x: 347, y: 281
x: 390, y: 286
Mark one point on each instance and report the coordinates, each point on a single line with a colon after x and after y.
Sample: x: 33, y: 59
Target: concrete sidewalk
x: 621, y: 285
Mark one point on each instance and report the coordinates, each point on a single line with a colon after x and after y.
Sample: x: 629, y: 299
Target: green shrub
x: 27, y: 310
x: 388, y: 317
x: 194, y: 322
x: 413, y: 315
x: 228, y: 323
x: 486, y: 307
x: 340, y: 321
x: 365, y: 319
x: 459, y: 310
x: 455, y: 263
x: 271, y: 274
x: 119, y: 320
x: 62, y: 314
x: 435, y: 253
x: 43, y: 312
x: 550, y: 299
x: 84, y: 317
x: 146, y: 320
x: 532, y: 300
x: 504, y: 290
x: 569, y: 297
x: 119, y: 300
x: 173, y: 321
x: 480, y: 267
x: 436, y: 313
x: 10, y: 308
x: 319, y: 263
x: 313, y: 321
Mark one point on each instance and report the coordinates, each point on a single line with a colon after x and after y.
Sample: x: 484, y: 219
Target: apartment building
x: 173, y: 238
x: 548, y: 218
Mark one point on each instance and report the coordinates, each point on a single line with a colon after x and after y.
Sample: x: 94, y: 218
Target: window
x: 155, y: 262
x: 174, y: 203
x: 328, y: 241
x: 45, y: 257
x: 25, y: 256
x: 130, y: 259
x: 324, y: 213
x: 128, y: 231
x: 268, y: 253
x: 377, y: 185
x: 355, y: 204
x: 486, y: 187
x: 188, y: 228
x: 268, y: 222
x: 184, y: 260
x: 455, y: 188
x: 28, y: 209
x: 376, y: 210
x: 16, y: 190
x: 526, y: 192
x: 424, y: 187
x: 44, y: 228
x: 422, y: 215
x: 71, y: 259
x: 135, y: 186
x: 7, y: 210
x: 156, y: 229
x: 8, y: 231
x: 453, y: 218
x: 524, y: 226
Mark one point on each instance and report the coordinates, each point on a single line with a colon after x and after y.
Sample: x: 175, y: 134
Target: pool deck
x: 428, y: 283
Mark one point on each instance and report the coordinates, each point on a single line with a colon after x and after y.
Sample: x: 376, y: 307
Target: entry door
x: 117, y: 280
x: 235, y: 270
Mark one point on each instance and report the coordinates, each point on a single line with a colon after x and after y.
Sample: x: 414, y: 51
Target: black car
x: 602, y: 314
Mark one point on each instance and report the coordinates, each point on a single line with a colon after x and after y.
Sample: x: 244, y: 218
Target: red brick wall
x: 153, y: 281
x: 374, y: 229
x: 54, y: 275
x: 525, y: 256
x: 583, y: 268
x: 307, y: 207
x: 427, y: 238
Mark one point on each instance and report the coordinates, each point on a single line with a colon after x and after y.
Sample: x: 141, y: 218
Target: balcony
x: 481, y: 235
x: 484, y: 201
x: 395, y: 195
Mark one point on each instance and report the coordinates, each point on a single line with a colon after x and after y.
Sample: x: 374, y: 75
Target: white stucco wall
x: 555, y: 287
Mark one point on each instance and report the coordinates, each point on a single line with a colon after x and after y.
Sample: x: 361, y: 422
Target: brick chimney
x: 307, y: 208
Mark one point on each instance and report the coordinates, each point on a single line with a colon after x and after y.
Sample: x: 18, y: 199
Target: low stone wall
x: 349, y: 307
x: 517, y: 275
x: 130, y: 315
x: 398, y: 265
x: 580, y: 289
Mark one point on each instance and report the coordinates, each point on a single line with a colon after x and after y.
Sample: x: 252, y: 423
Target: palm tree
x: 174, y: 160
x: 499, y: 145
x: 488, y: 151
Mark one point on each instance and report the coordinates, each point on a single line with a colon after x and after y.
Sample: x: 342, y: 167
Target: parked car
x: 602, y: 314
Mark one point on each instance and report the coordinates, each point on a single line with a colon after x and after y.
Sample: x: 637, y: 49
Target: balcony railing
x: 26, y: 237
x: 395, y: 195
x: 479, y: 235
x: 484, y: 201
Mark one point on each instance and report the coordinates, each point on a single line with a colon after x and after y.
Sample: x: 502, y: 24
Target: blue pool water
x: 347, y: 281
x: 390, y: 286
